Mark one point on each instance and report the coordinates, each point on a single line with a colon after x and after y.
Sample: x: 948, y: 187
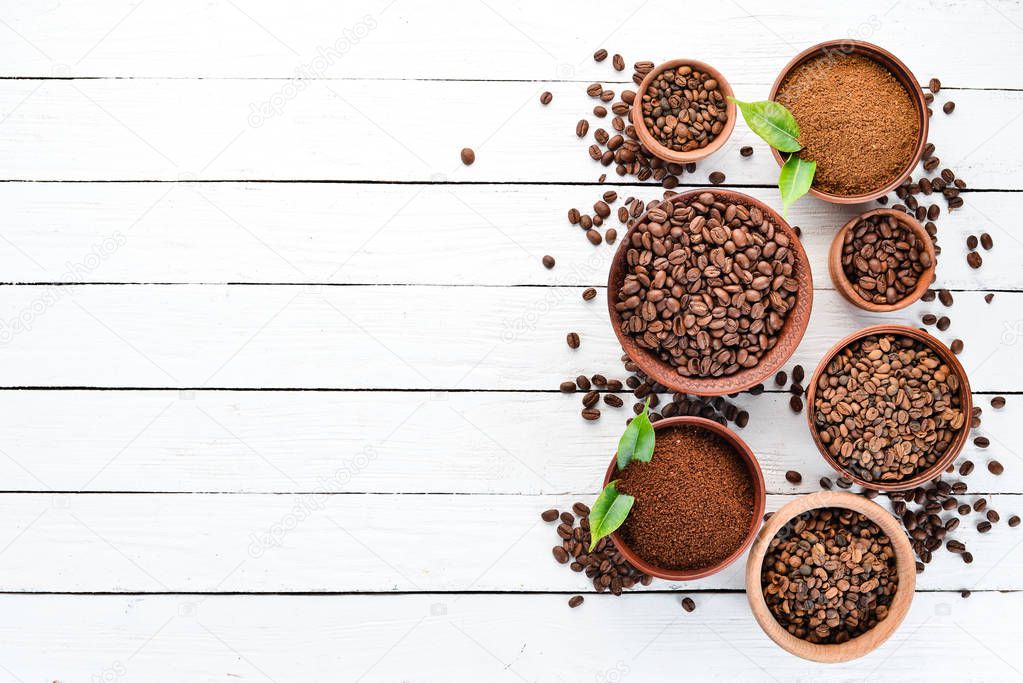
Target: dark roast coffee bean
x: 943, y: 323
x: 982, y: 442
x: 796, y: 404
x: 1014, y: 521
x: 966, y: 468
x: 568, y: 387
x: 716, y: 177
x: 590, y: 398
x: 984, y: 527
x: 825, y: 483
x: 934, y: 85
x: 948, y: 107
x: 575, y: 601
x: 583, y: 382
x: 591, y: 414
x: 600, y: 55
x: 546, y: 97
x: 560, y: 554
x: 793, y: 477
x: 956, y: 346
x: 549, y: 515
x: 548, y: 262
x: 613, y: 400
x: 993, y: 516
x: 996, y: 468
x: 573, y: 340
x: 688, y: 604
x: 781, y: 378
x: 746, y: 151
x: 974, y: 259
x: 998, y: 402
x: 986, y: 241
x: 589, y: 294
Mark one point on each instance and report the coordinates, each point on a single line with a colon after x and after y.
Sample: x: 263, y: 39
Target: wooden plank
x: 353, y: 543
x: 362, y: 130
x: 472, y: 637
x: 382, y: 234
x: 382, y: 39
x: 383, y: 337
x: 394, y: 442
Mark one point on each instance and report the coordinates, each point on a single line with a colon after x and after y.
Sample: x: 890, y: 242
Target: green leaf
x: 795, y: 179
x: 773, y: 122
x: 609, y: 512
x: 637, y: 443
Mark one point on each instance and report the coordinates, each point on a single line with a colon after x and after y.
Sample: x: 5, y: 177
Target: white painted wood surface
x: 301, y: 430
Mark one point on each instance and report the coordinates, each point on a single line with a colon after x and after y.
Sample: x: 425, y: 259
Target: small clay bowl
x: 841, y: 281
x: 905, y: 565
x: 659, y: 150
x: 901, y: 73
x: 759, y: 503
x: 791, y: 334
x: 965, y: 404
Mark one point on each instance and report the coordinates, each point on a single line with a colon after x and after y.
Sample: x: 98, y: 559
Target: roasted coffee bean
x: 974, y: 259
x: 567, y: 387
x: 781, y: 378
x: 546, y: 97
x: 966, y: 468
x: 945, y: 297
x: 613, y: 400
x: 972, y: 242
x: 825, y: 483
x: 943, y: 323
x: 593, y: 236
x: 1014, y: 521
x: 560, y: 554
x: 841, y: 602
x: 618, y: 63
x: 883, y: 259
x: 843, y: 482
x: 742, y: 419
x: 982, y: 442
x: 796, y: 404
x: 590, y: 398
x: 591, y: 414
x: 964, y: 509
x: 548, y: 262
x: 573, y: 340
x: 575, y: 601
x: 948, y: 107
x: 986, y: 241
x: 468, y: 156
x: 549, y: 515
x: 967, y: 557
x: 583, y: 382
x: 998, y: 402
x: 589, y: 294
x: 993, y: 516
x: 793, y: 477
x: 716, y: 177
x: 746, y: 151
x: 798, y: 374
x: 610, y: 235
x: 582, y: 128
x: 600, y: 55
x: 688, y: 604
x: 996, y: 468
x: 955, y: 546
x: 984, y: 527
x: 599, y: 111
x: 956, y: 346
x: 979, y: 505
x: 684, y: 109
x: 929, y: 319
x: 988, y: 298
x: 934, y: 85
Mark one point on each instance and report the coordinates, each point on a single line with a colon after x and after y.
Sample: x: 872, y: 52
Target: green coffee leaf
x: 609, y: 512
x: 637, y: 443
x: 773, y: 122
x: 794, y: 180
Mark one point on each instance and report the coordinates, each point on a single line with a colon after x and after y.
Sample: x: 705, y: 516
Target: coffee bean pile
x: 883, y: 259
x: 708, y: 286
x: 684, y: 109
x: 718, y: 408
x: 605, y: 566
x: 829, y: 575
x: 887, y: 407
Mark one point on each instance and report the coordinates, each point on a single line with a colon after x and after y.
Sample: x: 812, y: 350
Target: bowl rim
x: 965, y: 399
x: 901, y: 72
x: 841, y: 280
x: 759, y: 504
x: 655, y: 147
x: 791, y: 335
x: 905, y: 565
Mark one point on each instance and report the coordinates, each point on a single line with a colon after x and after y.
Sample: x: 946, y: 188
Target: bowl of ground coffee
x: 699, y: 501
x: 882, y: 260
x: 710, y: 292
x: 889, y: 407
x: 681, y: 112
x: 862, y: 117
x: 830, y: 576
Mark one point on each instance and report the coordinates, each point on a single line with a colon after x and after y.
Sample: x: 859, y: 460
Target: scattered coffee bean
x: 979, y: 504
x: 998, y: 402
x: 560, y: 554
x: 826, y: 483
x: 974, y: 259
x: 591, y: 414
x: 984, y: 527
x: 611, y: 236
x: 996, y: 468
x: 993, y: 516
x: 716, y: 177
x: 573, y: 340
x: 780, y: 378
x: 966, y: 468
x: 618, y: 63
x: 468, y: 156
x: 589, y: 294
x: 956, y: 346
x: 583, y: 382
x: 688, y: 604
x: 934, y: 85
x: 613, y: 400
x: 575, y: 601
x: 943, y: 323
x: 546, y: 97
x: 982, y: 442
x: 798, y: 374
x: 796, y: 404
x: 549, y: 515
x: 746, y: 151
x: 988, y: 298
x: 793, y: 477
x: 1014, y: 521
x: 600, y: 55
x: 948, y: 107
x: 548, y: 262
x: 567, y: 387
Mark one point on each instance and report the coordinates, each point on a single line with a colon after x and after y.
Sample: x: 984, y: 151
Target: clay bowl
x: 791, y: 334
x: 841, y: 281
x: 659, y: 150
x: 899, y: 70
x: 965, y: 402
x: 760, y: 493
x: 857, y: 647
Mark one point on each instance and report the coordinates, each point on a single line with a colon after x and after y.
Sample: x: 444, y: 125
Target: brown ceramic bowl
x: 656, y: 147
x: 905, y: 565
x: 965, y: 403
x: 841, y: 281
x: 760, y: 502
x: 899, y: 70
x: 791, y: 334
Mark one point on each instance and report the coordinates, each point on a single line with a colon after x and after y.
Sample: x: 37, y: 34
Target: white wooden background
x: 282, y: 405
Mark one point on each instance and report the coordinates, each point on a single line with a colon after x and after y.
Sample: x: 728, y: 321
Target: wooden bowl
x: 905, y: 565
x: 659, y: 150
x: 759, y: 493
x: 791, y: 333
x: 841, y: 280
x: 901, y: 73
x: 965, y: 404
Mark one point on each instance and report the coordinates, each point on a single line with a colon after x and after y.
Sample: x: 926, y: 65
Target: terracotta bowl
x: 905, y: 565
x: 841, y: 281
x: 759, y: 492
x: 791, y: 334
x: 899, y: 70
x: 656, y: 147
x: 965, y: 403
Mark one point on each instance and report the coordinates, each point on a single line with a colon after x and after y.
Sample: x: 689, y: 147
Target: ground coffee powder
x: 694, y: 500
x: 855, y: 119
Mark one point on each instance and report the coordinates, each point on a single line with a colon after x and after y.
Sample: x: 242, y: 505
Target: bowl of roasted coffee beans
x: 889, y: 407
x: 830, y: 576
x: 710, y: 292
x: 882, y: 260
x: 682, y: 112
